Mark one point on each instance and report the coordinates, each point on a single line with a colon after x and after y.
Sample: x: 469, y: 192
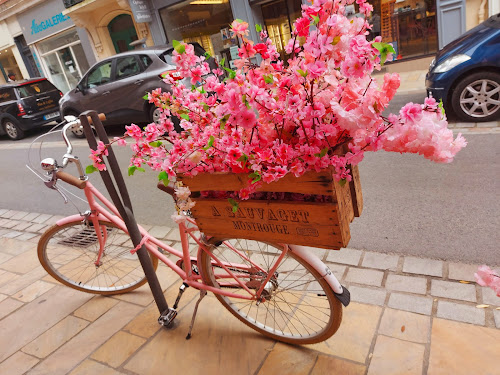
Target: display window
x: 64, y: 59
x: 203, y: 21
x: 410, y: 25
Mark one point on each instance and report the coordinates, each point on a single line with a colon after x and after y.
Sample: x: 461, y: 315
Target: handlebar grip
x: 102, y: 117
x: 70, y: 179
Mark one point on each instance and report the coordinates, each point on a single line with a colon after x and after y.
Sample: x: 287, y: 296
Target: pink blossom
x: 302, y: 26
x: 411, y: 112
x: 239, y: 28
x: 485, y: 276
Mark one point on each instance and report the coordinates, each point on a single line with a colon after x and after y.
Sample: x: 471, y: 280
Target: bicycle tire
x: 68, y: 252
x: 300, y: 310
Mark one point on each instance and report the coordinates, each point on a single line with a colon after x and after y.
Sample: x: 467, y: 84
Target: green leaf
x: 315, y: 20
x: 201, y: 89
x: 131, y: 170
x: 210, y: 142
x: 233, y: 203
x: 145, y: 97
x: 90, y: 169
x: 342, y: 182
x: 302, y: 73
x: 155, y: 143
x: 322, y: 153
x: 258, y: 28
x: 243, y: 158
x: 384, y: 49
x: 239, y: 20
x: 222, y: 61
x: 232, y: 73
x: 163, y: 176
x: 141, y: 169
x: 269, y: 78
x: 205, y: 107
x: 207, y: 55
x: 185, y: 116
x: 441, y: 106
x: 223, y: 121
x: 179, y: 47
x: 256, y: 177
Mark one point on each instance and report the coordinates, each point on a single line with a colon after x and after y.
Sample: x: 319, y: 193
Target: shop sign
x: 43, y: 20
x: 141, y: 10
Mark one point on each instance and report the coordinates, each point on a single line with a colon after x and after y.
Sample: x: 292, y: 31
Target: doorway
x: 122, y: 32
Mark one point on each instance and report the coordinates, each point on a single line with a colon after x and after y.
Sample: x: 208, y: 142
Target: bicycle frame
x: 151, y: 243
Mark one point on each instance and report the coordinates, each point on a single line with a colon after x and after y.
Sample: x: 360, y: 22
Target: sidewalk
x: 407, y: 316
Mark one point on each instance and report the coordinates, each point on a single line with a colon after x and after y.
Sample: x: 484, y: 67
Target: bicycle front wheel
x: 69, y: 254
x: 297, y: 305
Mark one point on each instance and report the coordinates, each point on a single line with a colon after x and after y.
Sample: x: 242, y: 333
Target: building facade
x: 60, y: 39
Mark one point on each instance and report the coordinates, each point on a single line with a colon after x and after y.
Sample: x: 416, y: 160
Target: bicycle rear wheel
x: 69, y: 253
x: 297, y: 305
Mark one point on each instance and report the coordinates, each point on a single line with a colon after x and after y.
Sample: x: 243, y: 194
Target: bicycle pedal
x: 167, y: 317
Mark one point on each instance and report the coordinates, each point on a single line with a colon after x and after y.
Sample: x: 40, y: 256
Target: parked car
x: 466, y: 73
x: 26, y: 105
x: 116, y: 86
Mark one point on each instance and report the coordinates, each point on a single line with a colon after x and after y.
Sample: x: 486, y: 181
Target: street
x: 411, y: 206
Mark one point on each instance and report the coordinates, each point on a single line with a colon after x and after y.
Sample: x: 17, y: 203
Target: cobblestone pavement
x: 407, y: 316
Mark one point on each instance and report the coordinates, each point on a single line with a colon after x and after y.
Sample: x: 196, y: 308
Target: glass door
x: 56, y: 72
x: 64, y: 70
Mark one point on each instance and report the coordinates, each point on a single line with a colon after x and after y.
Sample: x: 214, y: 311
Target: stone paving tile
x: 36, y: 228
x: 173, y: 235
x: 453, y: 290
x: 405, y: 325
x: 345, y: 256
x: 288, y: 359
x: 2, y: 297
x: 4, y: 258
x: 22, y: 282
x: 372, y: 296
x: 53, y: 219
x: 83, y: 344
x: 159, y: 231
x: 9, y: 305
x: 8, y: 277
x: 3, y: 231
x: 423, y: 266
x: 331, y: 365
x: 353, y: 339
x: 463, y: 349
x: 364, y: 276
x: 26, y: 236
x: 54, y: 337
x: 462, y: 271
x: 17, y: 330
x: 22, y: 226
x: 12, y: 234
x: 89, y: 367
x: 31, y: 216
x: 219, y: 336
x: 18, y: 364
x: 41, y: 219
x: 407, y: 302
x: 19, y: 215
x: 496, y: 315
x: 395, y: 357
x: 2, y: 211
x: 489, y: 296
x: 380, y: 261
x: 460, y: 312
x: 15, y: 247
x: 118, y: 348
x: 23, y: 263
x: 94, y: 308
x: 410, y: 284
x: 33, y: 291
x: 9, y: 214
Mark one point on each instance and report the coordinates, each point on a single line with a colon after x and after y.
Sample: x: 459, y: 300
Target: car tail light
x: 21, y: 109
x: 60, y: 93
x: 175, y: 74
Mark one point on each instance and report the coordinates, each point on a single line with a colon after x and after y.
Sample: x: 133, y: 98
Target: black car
x: 116, y: 86
x: 26, y: 105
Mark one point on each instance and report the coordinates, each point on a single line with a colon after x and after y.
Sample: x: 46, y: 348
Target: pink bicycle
x: 283, y: 291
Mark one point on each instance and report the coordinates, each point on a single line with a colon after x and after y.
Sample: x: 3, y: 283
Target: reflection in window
x: 126, y: 67
x: 99, y: 75
x: 202, y: 21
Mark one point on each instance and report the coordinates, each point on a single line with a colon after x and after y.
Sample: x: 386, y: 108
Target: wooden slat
x: 301, y: 223
x: 356, y: 193
x: 320, y: 183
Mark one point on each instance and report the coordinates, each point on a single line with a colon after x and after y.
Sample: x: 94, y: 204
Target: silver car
x: 116, y: 86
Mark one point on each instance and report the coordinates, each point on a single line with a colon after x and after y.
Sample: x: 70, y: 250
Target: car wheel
x: 477, y: 97
x: 154, y: 114
x: 78, y: 133
x: 13, y: 130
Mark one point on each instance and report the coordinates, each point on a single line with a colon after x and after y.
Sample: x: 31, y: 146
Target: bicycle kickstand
x: 203, y: 293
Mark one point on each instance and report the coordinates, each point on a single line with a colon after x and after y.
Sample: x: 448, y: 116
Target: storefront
x: 56, y: 43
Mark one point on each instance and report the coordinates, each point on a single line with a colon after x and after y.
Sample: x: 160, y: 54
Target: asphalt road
x: 411, y: 206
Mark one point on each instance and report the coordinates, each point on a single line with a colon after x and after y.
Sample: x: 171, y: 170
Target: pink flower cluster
x: 487, y: 277
x: 272, y: 118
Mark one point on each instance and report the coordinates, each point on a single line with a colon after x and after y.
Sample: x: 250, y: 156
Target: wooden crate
x: 323, y: 225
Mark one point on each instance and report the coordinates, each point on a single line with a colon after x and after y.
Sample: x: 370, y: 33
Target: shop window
x: 122, y: 32
x: 203, y: 21
x: 410, y: 25
x: 100, y: 75
x: 126, y: 67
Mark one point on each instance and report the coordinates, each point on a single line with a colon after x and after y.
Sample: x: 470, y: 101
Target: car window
x: 146, y: 60
x: 7, y: 95
x: 100, y: 75
x: 35, y: 88
x: 127, y: 66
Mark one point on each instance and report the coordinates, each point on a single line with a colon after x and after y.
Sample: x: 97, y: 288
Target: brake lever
x: 51, y: 184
